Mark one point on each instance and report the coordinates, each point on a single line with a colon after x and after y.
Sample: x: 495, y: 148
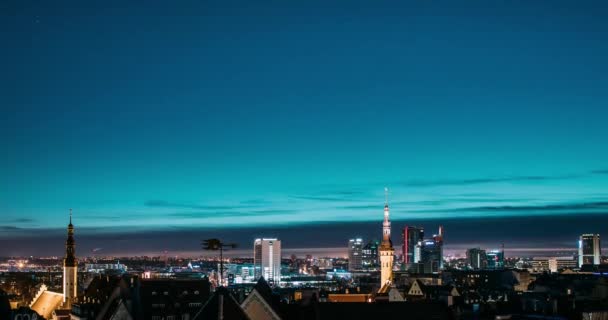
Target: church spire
x: 70, y: 246
x: 385, y: 197
x: 386, y: 225
x: 386, y: 249
x: 70, y: 268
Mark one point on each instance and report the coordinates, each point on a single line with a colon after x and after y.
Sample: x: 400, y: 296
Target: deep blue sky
x: 223, y: 114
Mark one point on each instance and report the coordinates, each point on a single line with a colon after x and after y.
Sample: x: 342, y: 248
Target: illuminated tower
x: 411, y: 237
x: 267, y: 259
x: 589, y: 250
x: 386, y: 247
x: 70, y: 268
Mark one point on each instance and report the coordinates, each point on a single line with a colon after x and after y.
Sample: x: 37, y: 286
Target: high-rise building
x: 476, y: 258
x: 369, y: 260
x: 495, y: 259
x: 70, y: 269
x: 431, y: 256
x: 589, y: 249
x: 411, y: 237
x: 355, y: 254
x: 428, y: 254
x: 387, y: 252
x: 267, y: 259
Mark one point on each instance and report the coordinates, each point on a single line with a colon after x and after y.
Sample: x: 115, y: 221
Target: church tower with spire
x: 386, y: 249
x: 70, y: 268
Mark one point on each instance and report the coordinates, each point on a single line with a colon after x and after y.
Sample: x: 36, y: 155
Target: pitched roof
x: 222, y: 302
x: 264, y: 290
x: 46, y: 303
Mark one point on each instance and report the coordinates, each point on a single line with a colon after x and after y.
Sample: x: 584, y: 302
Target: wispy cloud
x: 462, y: 182
x: 600, y: 171
x: 236, y: 213
x: 167, y: 204
x: 22, y: 220
x: 322, y: 198
x: 574, y: 207
x: 9, y: 228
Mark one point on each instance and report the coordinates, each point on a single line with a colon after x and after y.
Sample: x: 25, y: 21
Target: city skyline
x: 185, y: 123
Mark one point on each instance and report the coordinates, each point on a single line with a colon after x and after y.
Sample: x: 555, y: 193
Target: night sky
x: 162, y: 123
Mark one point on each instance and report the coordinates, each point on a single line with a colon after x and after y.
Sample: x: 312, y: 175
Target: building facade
x: 589, y: 250
x: 553, y: 264
x: 476, y: 258
x: 495, y: 259
x: 267, y: 259
x: 369, y: 260
x: 412, y: 236
x: 355, y: 254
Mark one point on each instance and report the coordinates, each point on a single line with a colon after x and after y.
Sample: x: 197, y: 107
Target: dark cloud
x: 601, y: 171
x: 9, y: 228
x: 550, y: 231
x: 574, y: 207
x: 22, y: 220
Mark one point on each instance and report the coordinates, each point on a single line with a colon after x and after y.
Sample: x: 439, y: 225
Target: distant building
x: 589, y: 249
x: 412, y: 236
x: 105, y: 267
x: 495, y: 259
x: 428, y: 254
x: 431, y: 256
x: 476, y: 258
x: 369, y: 259
x: 267, y: 259
x: 355, y: 254
x: 553, y: 264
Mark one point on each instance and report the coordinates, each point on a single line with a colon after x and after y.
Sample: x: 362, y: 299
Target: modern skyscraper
x: 589, y: 250
x: 355, y: 254
x: 495, y: 259
x: 411, y: 237
x: 431, y: 255
x: 428, y: 254
x: 369, y: 260
x: 70, y: 269
x: 267, y: 259
x: 476, y: 258
x: 387, y: 251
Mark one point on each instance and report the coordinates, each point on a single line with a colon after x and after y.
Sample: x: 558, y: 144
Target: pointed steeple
x: 70, y: 246
x: 386, y: 249
x: 70, y: 269
x: 385, y: 196
x: 386, y: 225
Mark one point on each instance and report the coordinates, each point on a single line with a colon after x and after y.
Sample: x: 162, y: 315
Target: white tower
x: 267, y: 259
x: 70, y: 269
x: 387, y: 251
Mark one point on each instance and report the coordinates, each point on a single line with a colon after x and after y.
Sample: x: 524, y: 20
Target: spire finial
x: 70, y: 215
x: 386, y: 196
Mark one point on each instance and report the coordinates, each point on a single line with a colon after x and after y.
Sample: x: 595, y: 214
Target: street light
x: 215, y: 245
